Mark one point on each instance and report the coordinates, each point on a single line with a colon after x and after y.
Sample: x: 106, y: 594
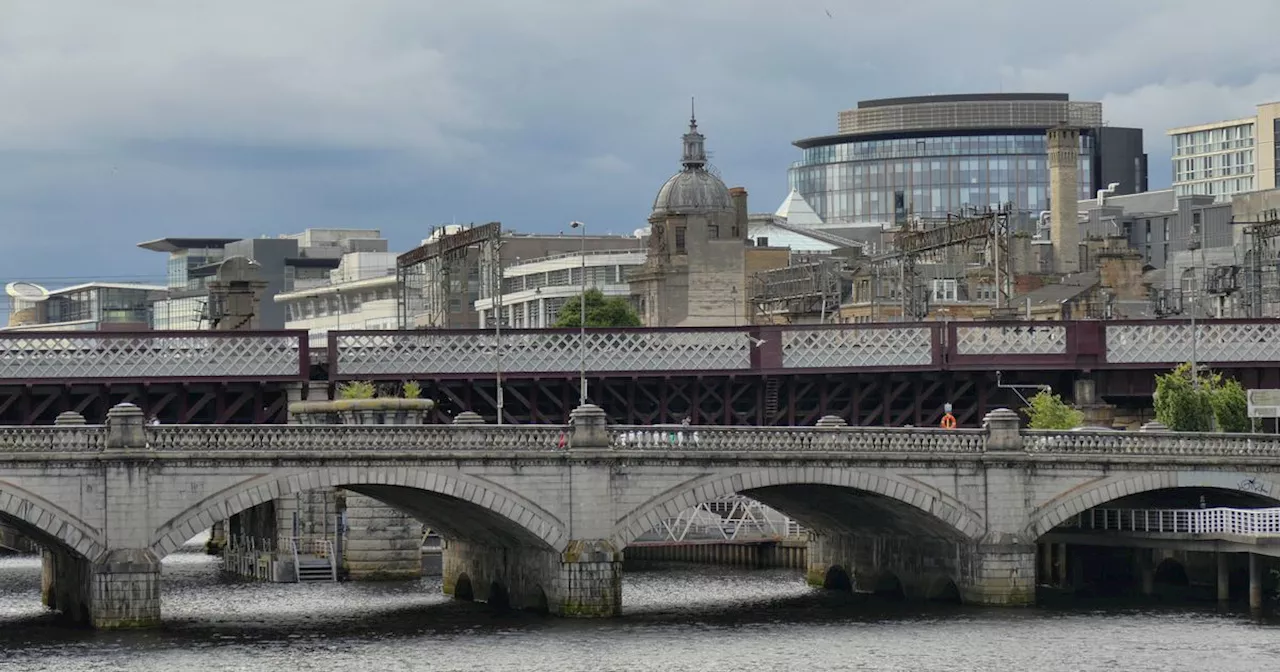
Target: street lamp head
x: 575, y: 224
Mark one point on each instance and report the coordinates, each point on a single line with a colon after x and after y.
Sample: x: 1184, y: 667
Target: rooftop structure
x: 937, y: 155
x: 90, y: 306
x: 1228, y: 157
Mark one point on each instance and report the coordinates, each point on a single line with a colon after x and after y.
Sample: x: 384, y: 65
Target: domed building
x: 695, y: 270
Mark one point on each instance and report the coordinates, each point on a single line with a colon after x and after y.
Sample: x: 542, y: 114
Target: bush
x: 1049, y: 411
x: 412, y: 390
x: 356, y: 389
x: 601, y: 311
x: 1217, y: 403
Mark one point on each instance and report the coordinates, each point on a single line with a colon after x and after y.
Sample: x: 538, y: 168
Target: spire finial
x: 695, y: 155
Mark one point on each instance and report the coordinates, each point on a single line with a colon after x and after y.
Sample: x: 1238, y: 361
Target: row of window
x: 947, y: 146
x: 335, y: 304
x: 863, y: 191
x: 1213, y: 140
x: 566, y: 277
x: 1215, y: 165
x: 1220, y: 188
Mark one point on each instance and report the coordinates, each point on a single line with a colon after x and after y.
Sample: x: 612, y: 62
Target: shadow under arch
x: 1170, y: 572
x: 48, y: 524
x: 462, y: 589
x: 1113, y: 489
x: 786, y: 489
x: 458, y: 505
x: 837, y: 578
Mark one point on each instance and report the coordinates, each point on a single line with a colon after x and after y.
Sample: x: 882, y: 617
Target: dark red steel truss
x: 193, y: 403
x: 889, y: 399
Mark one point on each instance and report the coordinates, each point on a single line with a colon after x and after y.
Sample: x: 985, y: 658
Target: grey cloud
x: 140, y: 118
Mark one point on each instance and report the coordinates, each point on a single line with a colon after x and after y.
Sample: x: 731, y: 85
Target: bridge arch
x: 1099, y: 492
x: 946, y: 510
x: 48, y: 523
x: 393, y: 485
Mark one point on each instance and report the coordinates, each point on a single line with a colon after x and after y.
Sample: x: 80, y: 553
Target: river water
x: 699, y: 619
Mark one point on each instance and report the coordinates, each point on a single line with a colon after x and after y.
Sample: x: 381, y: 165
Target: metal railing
x: 316, y: 546
x: 1219, y: 520
x: 732, y: 518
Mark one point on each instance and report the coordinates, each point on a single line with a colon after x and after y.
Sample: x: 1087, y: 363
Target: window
x: 943, y: 290
x: 713, y: 231
x: 679, y: 239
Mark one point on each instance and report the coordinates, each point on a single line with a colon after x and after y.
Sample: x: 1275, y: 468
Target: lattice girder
x: 150, y: 356
x: 851, y: 348
x: 1173, y: 343
x: 1011, y: 340
x: 541, y: 352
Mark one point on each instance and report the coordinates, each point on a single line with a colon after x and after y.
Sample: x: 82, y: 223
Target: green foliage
x: 601, y: 312
x: 356, y: 389
x: 412, y: 390
x: 1217, y: 401
x: 1049, y: 411
x: 1231, y: 406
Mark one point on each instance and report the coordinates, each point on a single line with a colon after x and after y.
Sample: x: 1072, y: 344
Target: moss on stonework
x: 815, y: 577
x: 386, y: 575
x: 575, y: 609
x: 127, y: 624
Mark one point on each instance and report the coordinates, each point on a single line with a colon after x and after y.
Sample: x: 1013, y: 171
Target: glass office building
x: 946, y: 153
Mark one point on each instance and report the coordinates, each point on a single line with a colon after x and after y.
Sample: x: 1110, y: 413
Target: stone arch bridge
x: 542, y: 514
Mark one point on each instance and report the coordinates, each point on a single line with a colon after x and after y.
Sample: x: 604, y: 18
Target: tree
x: 1049, y: 411
x: 601, y: 312
x: 1184, y: 406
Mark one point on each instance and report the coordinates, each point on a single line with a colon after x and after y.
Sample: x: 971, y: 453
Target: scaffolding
x: 437, y: 280
x: 790, y: 294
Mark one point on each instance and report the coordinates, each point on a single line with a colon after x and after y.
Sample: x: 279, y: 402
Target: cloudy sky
x: 127, y: 120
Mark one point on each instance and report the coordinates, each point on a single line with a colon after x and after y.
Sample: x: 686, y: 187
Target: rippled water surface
x: 696, y: 619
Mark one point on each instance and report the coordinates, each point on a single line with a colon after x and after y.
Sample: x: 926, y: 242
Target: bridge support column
x: 1144, y: 563
x: 516, y: 577
x: 125, y: 590
x: 1224, y: 577
x: 590, y: 580
x: 65, y: 584
x: 910, y: 567
x: 1002, y: 572
x: 381, y: 543
x: 1255, y: 582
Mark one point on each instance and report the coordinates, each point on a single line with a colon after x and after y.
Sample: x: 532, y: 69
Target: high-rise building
x: 1227, y: 157
x: 935, y: 155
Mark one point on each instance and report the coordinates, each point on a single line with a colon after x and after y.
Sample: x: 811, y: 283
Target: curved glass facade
x: 855, y: 181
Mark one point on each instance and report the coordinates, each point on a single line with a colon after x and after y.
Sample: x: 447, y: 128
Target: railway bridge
x: 539, y: 516
x: 889, y: 374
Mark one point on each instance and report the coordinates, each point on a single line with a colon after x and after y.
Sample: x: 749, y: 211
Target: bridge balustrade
x: 1151, y: 443
x: 798, y: 439
x: 56, y: 439
x: 835, y: 439
x: 1218, y: 520
x: 348, y: 438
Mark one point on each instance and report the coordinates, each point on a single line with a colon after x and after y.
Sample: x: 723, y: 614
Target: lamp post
x: 582, y: 317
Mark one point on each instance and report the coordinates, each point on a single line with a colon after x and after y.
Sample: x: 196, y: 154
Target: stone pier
x: 381, y: 542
